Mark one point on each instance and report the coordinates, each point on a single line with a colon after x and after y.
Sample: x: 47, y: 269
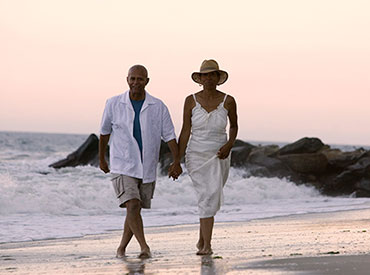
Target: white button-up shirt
x: 156, y: 124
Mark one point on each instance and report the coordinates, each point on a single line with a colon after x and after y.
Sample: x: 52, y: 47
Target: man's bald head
x: 138, y: 68
x: 137, y: 79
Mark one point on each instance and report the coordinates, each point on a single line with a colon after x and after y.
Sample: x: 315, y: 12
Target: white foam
x: 38, y: 202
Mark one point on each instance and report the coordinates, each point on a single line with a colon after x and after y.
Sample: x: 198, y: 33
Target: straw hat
x: 207, y: 67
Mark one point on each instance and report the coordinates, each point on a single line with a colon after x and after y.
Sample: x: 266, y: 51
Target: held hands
x: 224, y: 151
x: 174, y: 170
x: 104, y: 166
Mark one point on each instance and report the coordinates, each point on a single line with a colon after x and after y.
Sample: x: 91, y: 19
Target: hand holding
x: 174, y: 170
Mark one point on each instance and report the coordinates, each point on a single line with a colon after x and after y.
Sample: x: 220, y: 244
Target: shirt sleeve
x: 106, y: 122
x: 168, y: 130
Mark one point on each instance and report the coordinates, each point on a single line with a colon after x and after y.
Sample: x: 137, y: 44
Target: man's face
x: 137, y: 80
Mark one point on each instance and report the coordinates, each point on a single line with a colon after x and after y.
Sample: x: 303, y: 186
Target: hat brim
x: 223, y: 76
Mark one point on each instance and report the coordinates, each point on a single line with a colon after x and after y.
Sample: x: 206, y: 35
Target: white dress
x: 207, y: 172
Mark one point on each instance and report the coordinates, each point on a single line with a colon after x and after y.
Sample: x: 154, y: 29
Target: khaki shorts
x: 128, y: 188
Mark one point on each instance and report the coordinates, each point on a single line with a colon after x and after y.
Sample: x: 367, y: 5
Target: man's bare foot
x: 145, y: 253
x: 205, y: 251
x: 121, y: 253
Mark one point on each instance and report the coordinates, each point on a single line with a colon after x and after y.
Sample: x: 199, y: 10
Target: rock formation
x: 307, y: 161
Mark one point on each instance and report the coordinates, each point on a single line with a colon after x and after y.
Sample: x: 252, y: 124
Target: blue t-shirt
x: 137, y: 104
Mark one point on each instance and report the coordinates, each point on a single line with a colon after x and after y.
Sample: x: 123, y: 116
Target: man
x: 135, y: 122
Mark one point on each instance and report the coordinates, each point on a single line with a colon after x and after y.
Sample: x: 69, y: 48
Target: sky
x: 296, y: 68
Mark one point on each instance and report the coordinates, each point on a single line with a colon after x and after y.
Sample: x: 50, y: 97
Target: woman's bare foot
x: 199, y: 245
x: 121, y: 252
x: 145, y: 253
x: 205, y: 251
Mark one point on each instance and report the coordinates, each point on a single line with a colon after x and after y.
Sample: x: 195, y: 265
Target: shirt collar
x: 125, y: 98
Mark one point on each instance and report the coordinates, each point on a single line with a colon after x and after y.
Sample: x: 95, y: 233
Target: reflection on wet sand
x: 207, y: 266
x: 134, y: 266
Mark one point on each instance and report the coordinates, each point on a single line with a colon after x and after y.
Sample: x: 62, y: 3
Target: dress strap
x: 195, y: 99
x: 225, y: 98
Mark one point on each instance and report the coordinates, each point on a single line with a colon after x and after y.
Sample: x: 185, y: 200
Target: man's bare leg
x: 126, y: 238
x: 206, y: 225
x: 135, y: 223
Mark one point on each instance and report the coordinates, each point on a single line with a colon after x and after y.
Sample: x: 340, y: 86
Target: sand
x: 325, y: 243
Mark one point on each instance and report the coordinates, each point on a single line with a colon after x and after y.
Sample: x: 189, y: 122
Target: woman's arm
x: 186, y: 125
x: 233, y: 131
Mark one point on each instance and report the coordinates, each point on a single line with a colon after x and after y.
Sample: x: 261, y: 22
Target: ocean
x: 38, y: 202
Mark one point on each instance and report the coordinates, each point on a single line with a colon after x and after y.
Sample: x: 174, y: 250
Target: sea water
x: 39, y: 202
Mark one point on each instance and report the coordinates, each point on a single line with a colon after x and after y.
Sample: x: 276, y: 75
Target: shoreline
x: 254, y: 246
x: 109, y: 231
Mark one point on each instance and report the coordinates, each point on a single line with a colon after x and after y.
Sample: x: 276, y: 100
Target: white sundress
x: 207, y: 172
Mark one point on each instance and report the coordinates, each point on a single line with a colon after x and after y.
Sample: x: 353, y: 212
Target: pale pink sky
x: 296, y: 68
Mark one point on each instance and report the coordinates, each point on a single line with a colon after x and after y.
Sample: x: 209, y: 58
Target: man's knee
x: 133, y: 206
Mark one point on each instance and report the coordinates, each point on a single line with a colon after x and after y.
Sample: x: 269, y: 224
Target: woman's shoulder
x: 190, y: 101
x: 230, y: 102
x: 229, y: 99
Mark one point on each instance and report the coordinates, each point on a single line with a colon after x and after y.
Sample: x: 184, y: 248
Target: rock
x: 267, y: 150
x: 275, y: 167
x: 240, y: 143
x: 240, y: 153
x: 306, y: 161
x: 361, y: 166
x: 363, y: 184
x: 362, y: 194
x: 339, y: 159
x: 259, y: 171
x: 342, y: 184
x: 86, y: 154
x: 353, y: 179
x: 304, y: 145
x: 315, y: 163
x: 165, y: 158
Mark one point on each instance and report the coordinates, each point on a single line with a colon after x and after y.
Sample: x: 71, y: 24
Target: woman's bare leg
x: 206, y: 228
x: 200, y: 242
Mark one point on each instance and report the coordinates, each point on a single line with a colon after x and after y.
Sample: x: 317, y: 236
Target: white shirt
x: 155, y: 123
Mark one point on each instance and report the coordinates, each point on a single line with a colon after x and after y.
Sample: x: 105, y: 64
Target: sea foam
x: 39, y: 202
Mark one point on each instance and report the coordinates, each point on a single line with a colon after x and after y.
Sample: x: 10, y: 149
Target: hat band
x: 210, y: 68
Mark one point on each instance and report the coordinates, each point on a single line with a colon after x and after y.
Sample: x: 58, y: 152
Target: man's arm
x: 103, y: 142
x: 175, y: 169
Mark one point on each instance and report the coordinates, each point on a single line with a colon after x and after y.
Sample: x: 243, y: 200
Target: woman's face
x: 210, y: 79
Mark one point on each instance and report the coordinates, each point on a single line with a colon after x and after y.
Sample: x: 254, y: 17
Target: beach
x: 319, y: 243
x: 66, y: 221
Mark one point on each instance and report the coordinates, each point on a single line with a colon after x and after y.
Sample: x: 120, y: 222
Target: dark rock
x: 273, y: 165
x: 259, y: 171
x: 240, y: 153
x: 302, y: 146
x: 306, y: 161
x: 363, y: 188
x: 240, y: 143
x: 315, y: 163
x: 86, y: 154
x: 165, y: 158
x: 363, y: 184
x: 339, y: 159
x: 267, y: 150
x: 344, y: 183
x: 361, y: 166
x: 362, y: 194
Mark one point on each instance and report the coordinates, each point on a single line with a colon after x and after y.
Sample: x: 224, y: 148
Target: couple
x: 135, y: 122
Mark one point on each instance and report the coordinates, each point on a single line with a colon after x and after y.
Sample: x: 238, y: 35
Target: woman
x: 207, y: 156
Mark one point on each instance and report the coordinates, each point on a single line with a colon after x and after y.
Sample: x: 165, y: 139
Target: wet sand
x: 325, y: 243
